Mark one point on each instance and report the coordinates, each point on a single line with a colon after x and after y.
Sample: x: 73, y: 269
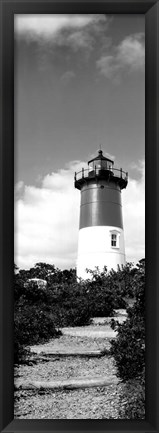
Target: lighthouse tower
x: 101, y: 235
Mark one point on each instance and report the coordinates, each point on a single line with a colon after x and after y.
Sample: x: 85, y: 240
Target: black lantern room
x: 100, y: 168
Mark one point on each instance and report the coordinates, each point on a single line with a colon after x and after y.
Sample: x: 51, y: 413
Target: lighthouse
x: 101, y: 234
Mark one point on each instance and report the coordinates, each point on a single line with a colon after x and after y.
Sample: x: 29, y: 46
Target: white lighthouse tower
x: 101, y: 235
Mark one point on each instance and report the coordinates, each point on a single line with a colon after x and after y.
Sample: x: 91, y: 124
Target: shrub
x: 128, y: 349
x: 21, y: 354
x: 104, y: 293
x: 70, y: 305
x: 32, y: 321
x: 40, y: 312
x: 132, y: 399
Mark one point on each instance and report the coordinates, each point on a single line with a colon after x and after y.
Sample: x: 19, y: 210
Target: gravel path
x: 89, y: 403
x: 92, y: 403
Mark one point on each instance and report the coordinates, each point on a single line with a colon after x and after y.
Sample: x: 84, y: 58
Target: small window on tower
x: 113, y: 240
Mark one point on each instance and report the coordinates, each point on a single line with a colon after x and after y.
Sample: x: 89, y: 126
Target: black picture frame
x: 150, y: 8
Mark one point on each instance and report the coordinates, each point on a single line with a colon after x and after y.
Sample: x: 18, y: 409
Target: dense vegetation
x: 128, y: 350
x: 40, y: 310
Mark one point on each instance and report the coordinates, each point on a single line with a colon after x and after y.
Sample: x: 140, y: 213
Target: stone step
x: 59, y: 384
x: 73, y: 352
x: 90, y: 332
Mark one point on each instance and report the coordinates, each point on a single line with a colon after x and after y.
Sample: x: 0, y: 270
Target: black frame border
x: 150, y: 8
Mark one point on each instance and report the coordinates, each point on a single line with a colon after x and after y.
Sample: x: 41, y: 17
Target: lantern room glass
x: 100, y: 164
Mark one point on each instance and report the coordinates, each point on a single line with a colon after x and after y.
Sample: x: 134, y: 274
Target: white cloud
x: 67, y: 77
x: 131, y: 52
x: 133, y: 199
x: 72, y: 30
x: 47, y: 26
x: 53, y: 33
x: 47, y: 220
x: 80, y: 40
x: 128, y: 56
x: 19, y: 187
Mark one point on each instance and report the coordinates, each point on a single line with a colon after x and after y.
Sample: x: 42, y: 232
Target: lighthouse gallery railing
x: 86, y: 173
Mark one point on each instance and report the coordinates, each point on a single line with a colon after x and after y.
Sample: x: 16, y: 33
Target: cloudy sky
x: 79, y: 84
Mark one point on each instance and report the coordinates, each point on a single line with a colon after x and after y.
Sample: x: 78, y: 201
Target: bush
x: 32, y: 320
x: 104, y: 293
x: 21, y: 354
x: 70, y: 305
x: 40, y: 312
x: 132, y: 399
x: 128, y: 349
